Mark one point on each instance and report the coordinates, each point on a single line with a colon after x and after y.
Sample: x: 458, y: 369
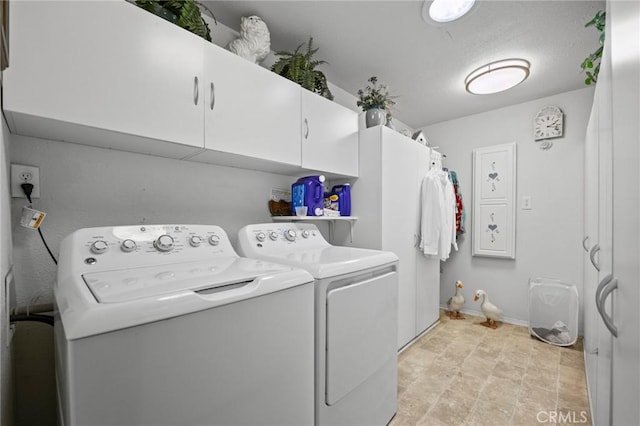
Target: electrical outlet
x: 25, y: 174
x: 526, y: 203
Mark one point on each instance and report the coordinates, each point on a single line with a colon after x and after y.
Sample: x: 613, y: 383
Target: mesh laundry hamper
x: 553, y: 311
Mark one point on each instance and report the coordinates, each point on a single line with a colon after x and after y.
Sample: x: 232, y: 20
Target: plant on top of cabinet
x: 376, y: 102
x: 300, y: 68
x: 592, y: 62
x: 184, y: 13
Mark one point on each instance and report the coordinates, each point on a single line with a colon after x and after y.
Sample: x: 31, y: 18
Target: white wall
x: 83, y: 186
x: 548, y: 237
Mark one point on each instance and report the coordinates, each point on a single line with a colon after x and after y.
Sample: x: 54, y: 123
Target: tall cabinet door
x: 604, y: 257
x: 623, y: 18
x: 249, y: 110
x: 97, y: 54
x: 399, y: 207
x: 329, y: 135
x: 591, y: 318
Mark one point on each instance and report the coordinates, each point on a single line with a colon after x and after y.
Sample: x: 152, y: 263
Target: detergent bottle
x: 308, y: 191
x: 339, y: 199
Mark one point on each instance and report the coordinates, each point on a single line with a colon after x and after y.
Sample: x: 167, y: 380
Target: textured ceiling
x: 425, y: 64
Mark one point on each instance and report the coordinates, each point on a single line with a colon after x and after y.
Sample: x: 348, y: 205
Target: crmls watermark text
x: 560, y: 417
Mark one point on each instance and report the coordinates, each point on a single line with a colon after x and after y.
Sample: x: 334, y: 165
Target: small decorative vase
x: 375, y: 117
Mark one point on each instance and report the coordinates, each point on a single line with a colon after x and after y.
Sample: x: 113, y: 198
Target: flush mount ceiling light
x: 448, y: 10
x: 497, y: 76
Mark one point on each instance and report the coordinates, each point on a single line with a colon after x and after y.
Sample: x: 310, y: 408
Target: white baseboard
x: 475, y: 313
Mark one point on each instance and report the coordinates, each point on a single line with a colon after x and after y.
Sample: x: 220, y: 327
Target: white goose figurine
x: 491, y: 311
x: 456, y: 302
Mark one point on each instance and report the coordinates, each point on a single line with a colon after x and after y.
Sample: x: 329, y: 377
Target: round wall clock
x: 548, y: 123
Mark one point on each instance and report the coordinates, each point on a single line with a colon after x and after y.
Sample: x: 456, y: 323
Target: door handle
x: 195, y: 90
x: 584, y: 244
x: 601, y: 285
x: 213, y: 95
x: 306, y: 125
x: 592, y: 255
x: 604, y: 294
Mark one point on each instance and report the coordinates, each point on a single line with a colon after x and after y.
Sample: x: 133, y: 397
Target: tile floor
x: 462, y: 373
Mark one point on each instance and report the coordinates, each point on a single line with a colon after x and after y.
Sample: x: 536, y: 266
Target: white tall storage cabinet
x: 386, y: 198
x: 612, y: 340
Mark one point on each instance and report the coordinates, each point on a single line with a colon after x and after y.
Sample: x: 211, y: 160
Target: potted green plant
x: 300, y: 68
x: 184, y: 13
x: 376, y: 102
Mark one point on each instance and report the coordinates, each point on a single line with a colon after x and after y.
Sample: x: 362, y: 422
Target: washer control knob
x: 164, y: 243
x: 290, y: 234
x: 195, y: 241
x: 305, y: 233
x: 128, y: 246
x: 273, y: 235
x: 214, y: 240
x: 260, y: 236
x: 99, y: 247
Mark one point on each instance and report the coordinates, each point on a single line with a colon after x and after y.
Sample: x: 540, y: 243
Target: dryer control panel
x: 282, y: 236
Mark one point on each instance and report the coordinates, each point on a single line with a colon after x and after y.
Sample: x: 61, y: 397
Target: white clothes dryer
x: 167, y: 325
x: 356, y: 319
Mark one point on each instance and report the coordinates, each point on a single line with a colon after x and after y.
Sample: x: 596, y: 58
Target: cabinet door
x: 400, y: 235
x: 106, y: 65
x: 602, y: 415
x: 329, y: 136
x: 623, y: 18
x: 249, y: 110
x: 590, y: 274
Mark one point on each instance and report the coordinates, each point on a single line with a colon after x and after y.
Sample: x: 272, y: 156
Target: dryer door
x: 362, y: 326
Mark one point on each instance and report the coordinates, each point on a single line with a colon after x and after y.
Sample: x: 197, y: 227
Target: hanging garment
x: 437, y: 215
x: 449, y: 226
x: 460, y: 212
x: 432, y: 213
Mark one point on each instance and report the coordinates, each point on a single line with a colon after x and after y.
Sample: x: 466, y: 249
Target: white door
x: 623, y: 18
x: 249, y: 110
x: 591, y: 318
x: 329, y: 136
x: 109, y: 65
x: 399, y: 201
x: 604, y: 257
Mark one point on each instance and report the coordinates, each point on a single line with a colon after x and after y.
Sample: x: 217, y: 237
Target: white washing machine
x: 167, y: 325
x: 356, y: 319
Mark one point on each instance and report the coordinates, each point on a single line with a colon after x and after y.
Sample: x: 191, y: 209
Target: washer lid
x: 101, y: 302
x: 137, y: 283
x: 328, y: 261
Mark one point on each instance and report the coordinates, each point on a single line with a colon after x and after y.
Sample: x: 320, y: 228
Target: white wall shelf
x: 331, y: 219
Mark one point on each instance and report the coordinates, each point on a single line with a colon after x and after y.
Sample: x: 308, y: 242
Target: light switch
x: 526, y: 202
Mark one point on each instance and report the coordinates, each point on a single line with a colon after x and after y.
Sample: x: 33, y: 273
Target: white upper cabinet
x: 109, y: 66
x: 329, y: 136
x: 110, y: 74
x: 249, y: 110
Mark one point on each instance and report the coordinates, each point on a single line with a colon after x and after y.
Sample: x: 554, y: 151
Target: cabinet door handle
x: 195, y: 90
x: 601, y: 285
x: 306, y: 126
x: 584, y: 244
x: 592, y: 255
x: 604, y: 293
x: 213, y: 95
